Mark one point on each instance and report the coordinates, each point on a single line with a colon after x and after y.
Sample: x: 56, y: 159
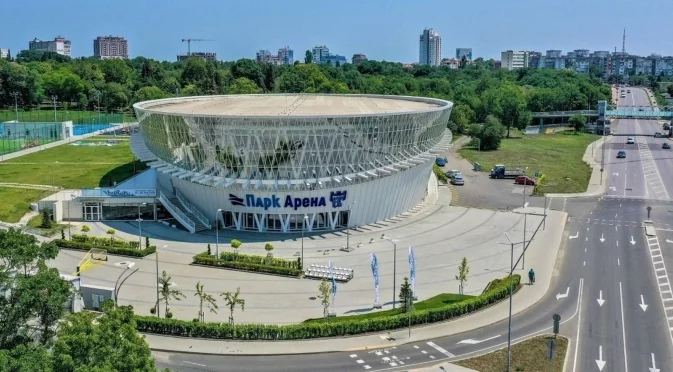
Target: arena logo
x: 336, y: 198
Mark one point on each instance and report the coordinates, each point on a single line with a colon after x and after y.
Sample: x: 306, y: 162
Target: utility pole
x: 54, y: 98
x: 16, y: 105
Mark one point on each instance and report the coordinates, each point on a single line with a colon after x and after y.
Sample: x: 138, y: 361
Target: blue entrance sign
x: 336, y: 198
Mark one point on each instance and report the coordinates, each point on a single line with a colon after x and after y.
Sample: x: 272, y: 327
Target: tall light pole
x: 118, y: 285
x: 54, y: 98
x: 98, y: 94
x: 16, y: 105
x: 72, y: 196
x: 303, y: 227
x: 156, y: 256
x: 140, y: 229
x: 217, y: 233
x: 525, y: 184
x: 348, y: 225
x: 392, y: 241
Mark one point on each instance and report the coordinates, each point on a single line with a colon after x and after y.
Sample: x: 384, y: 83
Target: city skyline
x: 380, y: 38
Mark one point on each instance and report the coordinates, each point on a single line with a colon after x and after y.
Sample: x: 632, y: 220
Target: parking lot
x: 480, y: 191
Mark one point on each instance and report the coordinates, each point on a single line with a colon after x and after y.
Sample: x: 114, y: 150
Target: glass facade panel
x: 127, y: 212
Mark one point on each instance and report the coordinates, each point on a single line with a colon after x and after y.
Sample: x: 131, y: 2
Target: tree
x: 85, y: 229
x: 244, y: 86
x: 149, y: 93
x: 325, y: 290
x: 308, y: 57
x: 147, y: 241
x: 46, y: 219
x: 406, y: 295
x: 463, y: 270
x: 112, y: 233
x: 232, y: 300
x: 235, y: 243
x: 207, y: 299
x: 250, y: 70
x: 208, y: 250
x: 268, y: 247
x: 577, y: 121
x: 513, y: 111
x: 167, y: 293
x: 89, y: 342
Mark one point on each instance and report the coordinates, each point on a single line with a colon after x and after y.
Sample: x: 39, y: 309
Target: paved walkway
x: 542, y: 255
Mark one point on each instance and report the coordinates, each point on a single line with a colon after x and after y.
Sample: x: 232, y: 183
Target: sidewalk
x: 540, y: 254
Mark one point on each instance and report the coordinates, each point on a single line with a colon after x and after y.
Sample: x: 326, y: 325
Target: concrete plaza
x: 440, y: 234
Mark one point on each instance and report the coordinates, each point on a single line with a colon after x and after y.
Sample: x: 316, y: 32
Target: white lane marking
x: 621, y: 300
x: 366, y: 366
x: 558, y: 296
x: 416, y: 346
x: 655, y: 256
x: 440, y: 349
x: 600, y: 299
x: 353, y: 355
x: 600, y: 362
x: 424, y: 352
x: 642, y: 303
x: 195, y: 364
x: 360, y: 361
x: 471, y: 341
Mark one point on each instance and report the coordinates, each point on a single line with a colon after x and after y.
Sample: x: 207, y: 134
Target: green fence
x: 77, y: 117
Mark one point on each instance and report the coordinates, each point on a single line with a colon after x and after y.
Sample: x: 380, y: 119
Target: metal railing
x: 177, y: 213
x: 193, y: 210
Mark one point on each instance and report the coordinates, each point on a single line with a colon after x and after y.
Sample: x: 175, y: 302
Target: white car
x: 630, y: 141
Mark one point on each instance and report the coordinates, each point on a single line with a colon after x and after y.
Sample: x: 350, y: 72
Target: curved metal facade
x: 222, y: 156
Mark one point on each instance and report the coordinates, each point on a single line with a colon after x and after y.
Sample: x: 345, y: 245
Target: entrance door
x: 92, y: 212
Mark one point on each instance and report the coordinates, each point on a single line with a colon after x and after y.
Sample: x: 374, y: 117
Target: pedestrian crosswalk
x: 399, y: 357
x: 608, y: 222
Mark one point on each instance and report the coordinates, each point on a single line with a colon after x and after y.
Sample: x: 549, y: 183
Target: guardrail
x: 177, y: 213
x: 193, y: 210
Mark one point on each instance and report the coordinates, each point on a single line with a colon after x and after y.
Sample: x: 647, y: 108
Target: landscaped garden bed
x: 112, y: 246
x: 252, y: 263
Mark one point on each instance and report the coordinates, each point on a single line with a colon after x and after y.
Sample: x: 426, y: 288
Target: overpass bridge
x: 612, y: 112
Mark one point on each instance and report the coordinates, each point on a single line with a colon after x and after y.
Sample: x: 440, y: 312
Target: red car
x: 525, y: 180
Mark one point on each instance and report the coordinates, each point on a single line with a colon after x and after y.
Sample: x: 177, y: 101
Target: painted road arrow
x: 600, y: 361
x: 615, y: 174
x: 642, y: 303
x: 471, y: 341
x: 602, y: 238
x: 654, y: 365
x: 613, y: 188
x: 575, y: 236
x: 563, y: 295
x: 600, y: 299
x: 669, y: 241
x: 633, y: 242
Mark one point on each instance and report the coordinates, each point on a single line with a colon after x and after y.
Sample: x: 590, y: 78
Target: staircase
x: 198, y: 226
x: 191, y: 221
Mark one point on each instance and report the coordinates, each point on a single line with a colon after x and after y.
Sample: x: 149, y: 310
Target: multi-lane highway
x: 611, y: 285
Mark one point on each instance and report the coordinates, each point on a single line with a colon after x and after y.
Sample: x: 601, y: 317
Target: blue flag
x: 331, y: 272
x: 375, y: 269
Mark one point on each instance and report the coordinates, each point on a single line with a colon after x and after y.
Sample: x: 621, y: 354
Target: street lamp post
x: 118, y: 285
x: 217, y: 233
x: 303, y: 227
x: 16, y: 105
x: 156, y: 256
x: 348, y: 225
x: 140, y: 229
x: 54, y: 98
x: 72, y: 196
x: 392, y: 241
x: 511, y: 290
x: 98, y: 94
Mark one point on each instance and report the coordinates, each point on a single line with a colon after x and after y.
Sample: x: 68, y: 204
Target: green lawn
x: 557, y: 156
x: 8, y: 145
x: 70, y: 166
x: 528, y: 356
x: 14, y: 203
x: 47, y: 115
x: 433, y: 302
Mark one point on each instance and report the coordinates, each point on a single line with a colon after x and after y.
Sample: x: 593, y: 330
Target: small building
x: 358, y: 58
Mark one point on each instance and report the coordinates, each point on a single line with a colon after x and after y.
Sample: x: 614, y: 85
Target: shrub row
x: 105, y: 242
x: 183, y: 328
x: 258, y: 260
x: 248, y: 265
x: 122, y: 251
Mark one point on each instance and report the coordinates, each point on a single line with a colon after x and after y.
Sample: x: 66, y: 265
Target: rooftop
x: 292, y: 105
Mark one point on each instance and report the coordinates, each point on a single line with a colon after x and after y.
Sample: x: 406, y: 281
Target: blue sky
x: 381, y: 29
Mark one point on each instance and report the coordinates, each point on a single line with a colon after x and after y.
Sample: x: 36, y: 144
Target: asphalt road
x: 611, y: 286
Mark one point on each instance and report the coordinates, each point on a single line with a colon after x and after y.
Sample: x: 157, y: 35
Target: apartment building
x: 110, y: 47
x: 430, y: 48
x: 59, y: 45
x: 464, y: 52
x: 512, y: 60
x: 206, y: 56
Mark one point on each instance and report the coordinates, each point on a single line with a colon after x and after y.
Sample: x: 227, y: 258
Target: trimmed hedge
x: 249, y: 263
x: 122, y: 251
x: 104, y: 242
x: 182, y: 328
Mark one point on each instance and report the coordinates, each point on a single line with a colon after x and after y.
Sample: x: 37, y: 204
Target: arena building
x: 290, y: 162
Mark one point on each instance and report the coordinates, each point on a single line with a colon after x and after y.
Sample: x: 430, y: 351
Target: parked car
x: 452, y: 172
x: 630, y: 141
x: 667, y: 126
x: 440, y: 162
x: 666, y: 146
x: 628, y: 91
x: 525, y: 180
x: 621, y: 154
x: 457, y: 180
x: 657, y: 135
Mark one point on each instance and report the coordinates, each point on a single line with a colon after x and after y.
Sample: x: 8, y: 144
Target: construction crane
x: 189, y: 44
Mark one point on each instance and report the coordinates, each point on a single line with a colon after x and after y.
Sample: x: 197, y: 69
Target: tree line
x: 478, y: 89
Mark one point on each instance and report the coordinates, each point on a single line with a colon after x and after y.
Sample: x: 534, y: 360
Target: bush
x: 439, y: 173
x: 106, y: 242
x: 497, y: 291
x: 119, y: 250
x: 260, y: 264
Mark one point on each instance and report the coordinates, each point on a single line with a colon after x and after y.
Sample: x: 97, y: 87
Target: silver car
x: 630, y: 141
